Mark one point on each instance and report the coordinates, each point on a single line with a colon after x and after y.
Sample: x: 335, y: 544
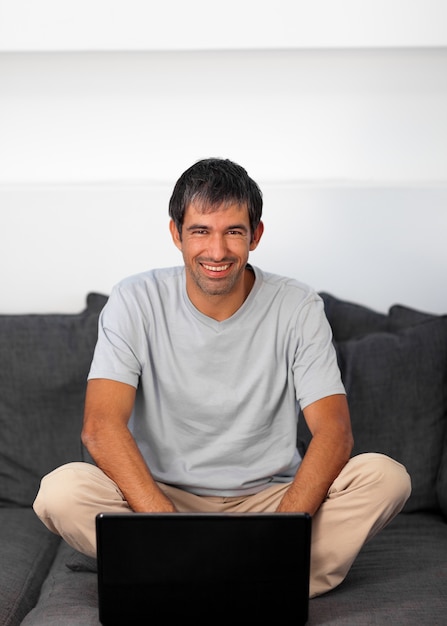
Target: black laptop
x: 206, y: 567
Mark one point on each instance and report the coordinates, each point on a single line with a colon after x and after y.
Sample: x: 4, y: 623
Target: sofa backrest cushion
x: 44, y: 362
x: 441, y: 484
x: 96, y: 302
x: 394, y: 367
x: 395, y: 390
x: 349, y: 320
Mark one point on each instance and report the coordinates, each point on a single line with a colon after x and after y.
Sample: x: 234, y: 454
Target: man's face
x: 215, y: 245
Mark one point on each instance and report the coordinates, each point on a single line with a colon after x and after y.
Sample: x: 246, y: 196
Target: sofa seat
x: 69, y: 594
x: 396, y: 576
x: 386, y: 585
x: 27, y: 550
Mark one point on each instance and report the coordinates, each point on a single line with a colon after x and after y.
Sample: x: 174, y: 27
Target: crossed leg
x: 367, y: 494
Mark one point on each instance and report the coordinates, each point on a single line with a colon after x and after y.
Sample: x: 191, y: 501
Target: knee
x: 391, y: 479
x: 58, y: 491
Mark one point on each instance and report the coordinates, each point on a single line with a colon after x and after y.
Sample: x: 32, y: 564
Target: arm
x: 105, y: 434
x: 329, y: 450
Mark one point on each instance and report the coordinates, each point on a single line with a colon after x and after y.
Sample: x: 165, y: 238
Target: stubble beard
x: 216, y: 286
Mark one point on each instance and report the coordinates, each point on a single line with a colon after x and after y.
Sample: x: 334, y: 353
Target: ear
x: 175, y: 234
x: 257, y: 236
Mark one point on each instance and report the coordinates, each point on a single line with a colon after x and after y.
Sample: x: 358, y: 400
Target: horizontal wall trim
x: 286, y: 184
x: 345, y: 47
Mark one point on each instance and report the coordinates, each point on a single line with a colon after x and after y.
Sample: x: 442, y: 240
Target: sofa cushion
x: 441, y: 483
x: 44, y: 362
x: 396, y: 386
x: 27, y: 550
x: 397, y: 579
x: 67, y: 597
x: 394, y: 368
x: 96, y: 302
x: 79, y: 562
x: 402, y: 316
x: 349, y: 320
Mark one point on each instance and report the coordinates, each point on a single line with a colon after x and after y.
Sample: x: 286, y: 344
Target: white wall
x: 347, y: 139
x: 376, y: 246
x: 234, y: 24
x: 363, y: 116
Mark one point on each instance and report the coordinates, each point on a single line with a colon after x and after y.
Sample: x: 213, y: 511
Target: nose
x: 217, y: 247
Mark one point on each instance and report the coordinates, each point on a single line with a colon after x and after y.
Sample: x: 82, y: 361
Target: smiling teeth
x: 221, y: 268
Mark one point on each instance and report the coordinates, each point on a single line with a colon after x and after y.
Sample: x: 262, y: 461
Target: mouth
x: 216, y: 269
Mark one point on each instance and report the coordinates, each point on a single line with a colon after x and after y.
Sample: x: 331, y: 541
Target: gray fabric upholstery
x: 349, y: 320
x: 44, y: 361
x: 378, y: 590
x: 68, y: 597
x: 27, y: 550
x: 394, y: 366
x: 396, y: 390
x: 399, y: 578
x: 441, y: 483
x: 402, y: 316
x: 78, y: 562
x: 96, y: 302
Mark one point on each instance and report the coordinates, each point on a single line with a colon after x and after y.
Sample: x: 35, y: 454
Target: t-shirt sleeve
x: 315, y: 369
x: 116, y: 353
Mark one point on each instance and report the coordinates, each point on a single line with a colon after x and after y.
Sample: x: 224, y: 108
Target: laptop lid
x: 207, y: 567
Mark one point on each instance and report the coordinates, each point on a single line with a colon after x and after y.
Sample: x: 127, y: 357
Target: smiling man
x: 196, y: 386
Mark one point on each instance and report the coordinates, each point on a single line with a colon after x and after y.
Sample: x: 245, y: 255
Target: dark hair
x: 211, y: 183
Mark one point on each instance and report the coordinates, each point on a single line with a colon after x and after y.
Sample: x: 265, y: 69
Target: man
x: 195, y: 388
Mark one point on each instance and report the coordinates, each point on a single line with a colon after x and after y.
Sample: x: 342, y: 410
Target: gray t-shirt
x: 217, y: 402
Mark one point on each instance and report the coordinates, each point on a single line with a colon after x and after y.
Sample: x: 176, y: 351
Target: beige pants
x: 367, y: 494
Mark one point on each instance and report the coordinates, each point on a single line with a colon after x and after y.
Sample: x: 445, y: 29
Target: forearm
x: 323, y: 461
x: 117, y: 454
x: 105, y: 434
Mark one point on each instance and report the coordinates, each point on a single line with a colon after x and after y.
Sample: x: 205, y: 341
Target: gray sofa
x: 394, y: 367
